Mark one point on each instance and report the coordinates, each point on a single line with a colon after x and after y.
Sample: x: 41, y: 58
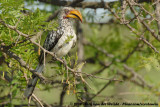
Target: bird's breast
x: 64, y: 44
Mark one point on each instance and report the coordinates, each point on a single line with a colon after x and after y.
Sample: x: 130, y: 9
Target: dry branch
x: 85, y: 4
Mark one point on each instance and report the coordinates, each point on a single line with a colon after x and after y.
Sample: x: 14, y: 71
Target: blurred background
x: 117, y: 53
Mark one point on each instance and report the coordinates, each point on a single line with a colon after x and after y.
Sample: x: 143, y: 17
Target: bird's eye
x: 66, y: 11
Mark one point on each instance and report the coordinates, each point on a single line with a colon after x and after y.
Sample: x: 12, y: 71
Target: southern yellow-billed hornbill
x: 57, y: 42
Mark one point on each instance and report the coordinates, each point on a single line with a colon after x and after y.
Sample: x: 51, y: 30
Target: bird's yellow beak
x: 75, y: 14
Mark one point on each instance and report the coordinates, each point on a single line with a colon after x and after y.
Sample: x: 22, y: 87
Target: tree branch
x: 21, y: 61
x: 92, y: 5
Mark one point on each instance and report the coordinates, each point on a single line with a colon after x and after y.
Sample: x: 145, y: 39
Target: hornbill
x: 57, y: 42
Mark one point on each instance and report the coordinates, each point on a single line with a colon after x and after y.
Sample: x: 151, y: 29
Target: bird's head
x: 70, y: 13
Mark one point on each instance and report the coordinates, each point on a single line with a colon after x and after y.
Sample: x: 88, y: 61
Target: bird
x: 59, y: 42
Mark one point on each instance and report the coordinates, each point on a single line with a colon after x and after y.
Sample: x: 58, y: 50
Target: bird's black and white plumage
x: 60, y: 42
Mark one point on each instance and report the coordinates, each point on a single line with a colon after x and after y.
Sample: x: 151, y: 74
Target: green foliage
x: 69, y: 38
x: 14, y: 13
x: 151, y: 63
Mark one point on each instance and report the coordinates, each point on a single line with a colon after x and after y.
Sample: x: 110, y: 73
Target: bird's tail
x: 32, y: 83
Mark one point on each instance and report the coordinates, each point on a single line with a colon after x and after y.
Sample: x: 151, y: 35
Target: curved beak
x: 75, y: 14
